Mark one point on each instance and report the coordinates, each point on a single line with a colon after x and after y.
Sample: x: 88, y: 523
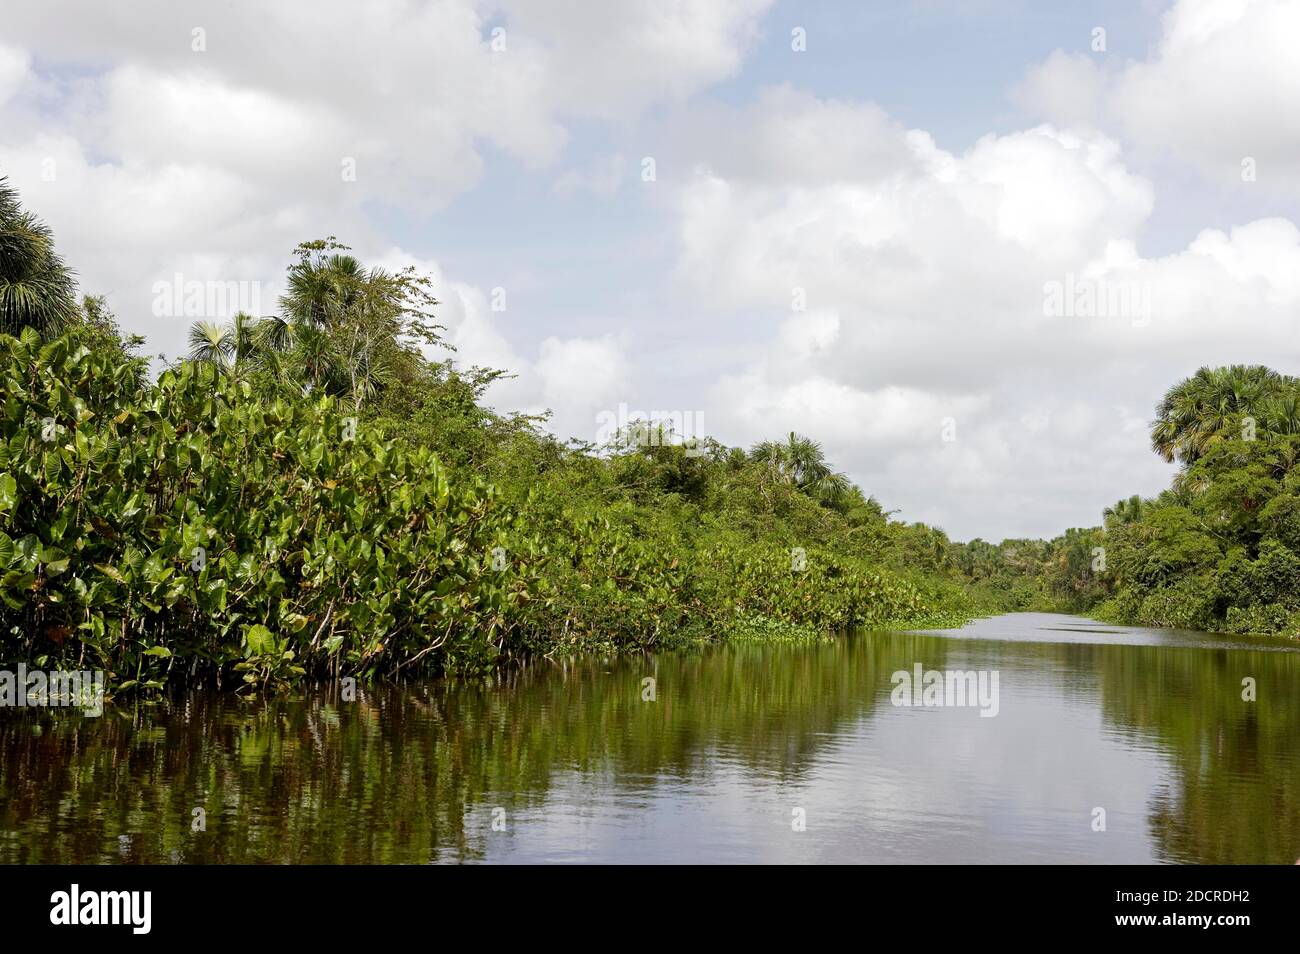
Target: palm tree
x: 322, y: 291
x: 211, y: 343
x: 1281, y: 414
x: 343, y: 330
x: 829, y: 487
x: 792, y: 461
x: 1124, y: 512
x: 238, y: 344
x: 340, y: 320
x: 799, y: 461
x: 274, y: 334
x: 1209, y: 407
x: 315, y: 358
x: 36, y: 289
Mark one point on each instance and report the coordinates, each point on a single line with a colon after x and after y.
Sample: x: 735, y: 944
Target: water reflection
x: 1151, y: 728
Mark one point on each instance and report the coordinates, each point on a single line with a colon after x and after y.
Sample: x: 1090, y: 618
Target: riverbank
x: 212, y: 529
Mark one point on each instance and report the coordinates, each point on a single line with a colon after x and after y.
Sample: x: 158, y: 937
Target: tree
x: 1281, y: 414
x: 1211, y: 405
x: 1123, y: 512
x: 210, y: 343
x: 348, y: 330
x: 36, y: 289
x: 96, y: 327
x: 322, y: 289
x: 343, y: 330
x: 799, y: 461
x: 232, y: 346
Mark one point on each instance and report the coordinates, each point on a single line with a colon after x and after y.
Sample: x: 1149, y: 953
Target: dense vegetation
x: 310, y: 494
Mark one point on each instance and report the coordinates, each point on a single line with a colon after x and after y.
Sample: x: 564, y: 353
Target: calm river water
x: 746, y: 753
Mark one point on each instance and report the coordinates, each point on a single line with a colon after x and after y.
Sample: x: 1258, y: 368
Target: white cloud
x: 607, y: 59
x: 198, y: 119
x: 13, y: 72
x: 581, y: 377
x: 1220, y: 87
x: 409, y: 91
x: 792, y: 135
x: 925, y: 294
x: 1070, y: 89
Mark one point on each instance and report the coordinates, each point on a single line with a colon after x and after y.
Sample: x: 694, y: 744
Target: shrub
x: 189, y: 524
x: 1263, y: 620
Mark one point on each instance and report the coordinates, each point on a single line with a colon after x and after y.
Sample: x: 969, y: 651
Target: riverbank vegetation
x: 1218, y: 550
x: 324, y: 492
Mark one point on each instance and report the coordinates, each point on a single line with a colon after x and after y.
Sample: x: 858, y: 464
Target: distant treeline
x: 1218, y: 550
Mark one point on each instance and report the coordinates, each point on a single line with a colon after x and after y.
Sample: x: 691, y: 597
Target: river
x: 1106, y: 744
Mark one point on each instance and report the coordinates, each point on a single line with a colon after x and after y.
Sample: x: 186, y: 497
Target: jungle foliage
x: 203, y: 526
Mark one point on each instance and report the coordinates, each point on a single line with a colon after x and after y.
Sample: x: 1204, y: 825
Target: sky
x: 965, y: 244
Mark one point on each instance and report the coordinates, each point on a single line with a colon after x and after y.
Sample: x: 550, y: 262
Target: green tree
x: 232, y: 347
x: 1124, y: 511
x: 343, y: 330
x: 350, y: 331
x: 36, y: 289
x: 800, y: 462
x: 1210, y: 405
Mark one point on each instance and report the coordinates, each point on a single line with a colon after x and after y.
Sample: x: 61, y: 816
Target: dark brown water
x: 740, y: 744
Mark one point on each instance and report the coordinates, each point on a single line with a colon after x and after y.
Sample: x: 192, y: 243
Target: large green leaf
x: 259, y: 641
x: 8, y: 492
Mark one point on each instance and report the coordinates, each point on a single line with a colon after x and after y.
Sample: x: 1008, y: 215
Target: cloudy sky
x: 966, y: 244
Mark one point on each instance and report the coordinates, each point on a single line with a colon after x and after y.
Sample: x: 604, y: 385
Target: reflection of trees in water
x: 410, y: 774
x: 1237, y: 795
